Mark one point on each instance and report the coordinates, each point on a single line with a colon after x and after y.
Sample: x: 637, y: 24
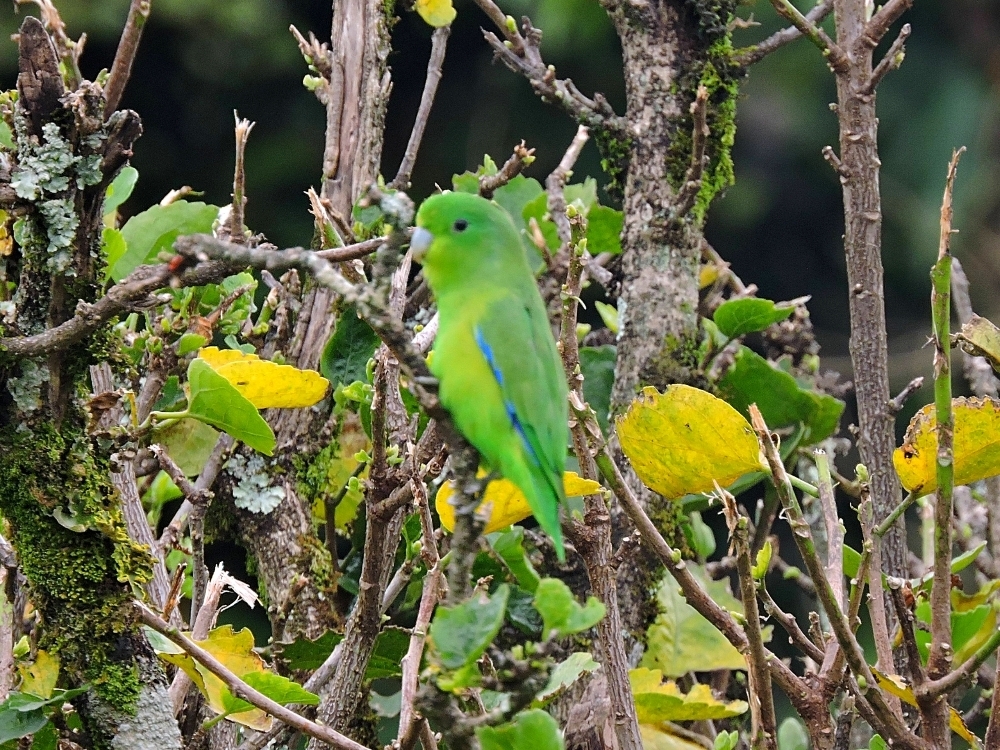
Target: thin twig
x: 764, y: 732
x: 882, y: 21
x: 128, y: 45
x: 798, y: 638
x: 523, y: 56
x: 439, y: 44
x: 897, y: 403
x: 891, y: 61
x: 699, y: 138
x: 241, y: 690
x: 243, y: 129
x: 204, y: 482
x: 779, y: 39
x: 516, y: 163
x: 835, y: 55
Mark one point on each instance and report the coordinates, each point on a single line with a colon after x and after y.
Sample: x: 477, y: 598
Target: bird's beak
x: 420, y: 243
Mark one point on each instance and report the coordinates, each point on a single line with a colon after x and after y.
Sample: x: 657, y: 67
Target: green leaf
x: 6, y: 136
x: 155, y: 229
x: 304, y: 654
x: 585, y: 192
x: 597, y: 363
x: 852, y: 562
x: 190, y: 342
x: 565, y: 673
x: 537, y: 209
x: 736, y: 317
x: 753, y: 380
x: 792, y: 735
x: 877, y: 743
x: 189, y: 443
x: 515, y: 195
x: 509, y: 545
x: 533, y: 729
x: 521, y: 612
x: 762, y: 562
x: 279, y: 689
x: 680, y: 640
x: 560, y: 610
x: 345, y: 356
x: 120, y: 189
x: 386, y: 660
x: 462, y: 633
x: 609, y: 315
x: 15, y: 724
x: 113, y: 245
x: 966, y: 559
x: 46, y: 738
x: 604, y: 228
x: 699, y: 535
x: 467, y: 182
x: 215, y: 401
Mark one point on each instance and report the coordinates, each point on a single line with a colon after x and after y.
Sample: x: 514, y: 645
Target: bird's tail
x: 544, y: 492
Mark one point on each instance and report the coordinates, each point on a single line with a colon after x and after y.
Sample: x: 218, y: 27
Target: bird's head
x: 460, y: 236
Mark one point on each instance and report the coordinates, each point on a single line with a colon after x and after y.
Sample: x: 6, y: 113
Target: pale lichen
x: 254, y: 492
x: 27, y: 388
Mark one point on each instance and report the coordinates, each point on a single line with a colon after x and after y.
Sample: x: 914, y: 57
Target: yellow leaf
x: 707, y: 275
x: 896, y: 685
x: 436, y: 12
x: 40, y: 678
x: 684, y: 440
x: 656, y: 738
x: 976, y: 445
x: 235, y: 651
x: 265, y: 384
x: 657, y: 701
x: 504, y: 502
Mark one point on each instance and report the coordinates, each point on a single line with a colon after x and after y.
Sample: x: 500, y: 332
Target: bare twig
x: 241, y: 690
x: 516, y: 163
x: 882, y: 21
x: 439, y: 44
x: 764, y: 733
x: 243, y: 129
x: 891, y: 61
x: 835, y: 55
x: 799, y: 639
x: 699, y: 137
x: 897, y: 403
x: 523, y: 56
x: 199, y: 492
x: 128, y: 45
x: 779, y: 39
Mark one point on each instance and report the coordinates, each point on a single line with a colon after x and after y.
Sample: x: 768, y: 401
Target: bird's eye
x: 460, y: 225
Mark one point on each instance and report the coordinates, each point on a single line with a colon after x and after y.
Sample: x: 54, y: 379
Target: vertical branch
x: 764, y: 734
x: 593, y: 538
x: 939, y: 659
x: 859, y: 170
x: 128, y: 45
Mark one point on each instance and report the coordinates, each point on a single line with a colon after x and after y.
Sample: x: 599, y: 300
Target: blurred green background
x: 780, y: 226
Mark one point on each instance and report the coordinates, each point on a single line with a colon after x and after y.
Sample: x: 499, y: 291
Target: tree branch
x: 891, y: 61
x: 779, y: 39
x: 439, y: 44
x: 241, y: 690
x: 836, y: 57
x: 128, y: 45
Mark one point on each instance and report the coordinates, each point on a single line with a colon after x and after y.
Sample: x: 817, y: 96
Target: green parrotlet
x: 499, y: 371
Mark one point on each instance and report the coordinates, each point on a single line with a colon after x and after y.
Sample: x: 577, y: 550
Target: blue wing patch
x: 511, y: 411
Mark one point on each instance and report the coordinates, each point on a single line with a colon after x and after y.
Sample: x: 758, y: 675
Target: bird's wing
x: 514, y: 336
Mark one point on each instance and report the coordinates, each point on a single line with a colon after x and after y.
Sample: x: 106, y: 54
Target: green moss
x: 720, y: 76
x: 615, y: 153
x: 80, y: 581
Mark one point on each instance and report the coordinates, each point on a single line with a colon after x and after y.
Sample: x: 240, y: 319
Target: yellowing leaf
x: 896, y: 685
x: 235, y: 651
x: 655, y: 738
x: 680, y: 640
x: 436, y: 12
x: 685, y: 440
x: 707, y: 275
x: 40, y: 678
x: 980, y: 338
x: 656, y: 701
x: 504, y: 502
x: 265, y: 384
x: 976, y: 445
